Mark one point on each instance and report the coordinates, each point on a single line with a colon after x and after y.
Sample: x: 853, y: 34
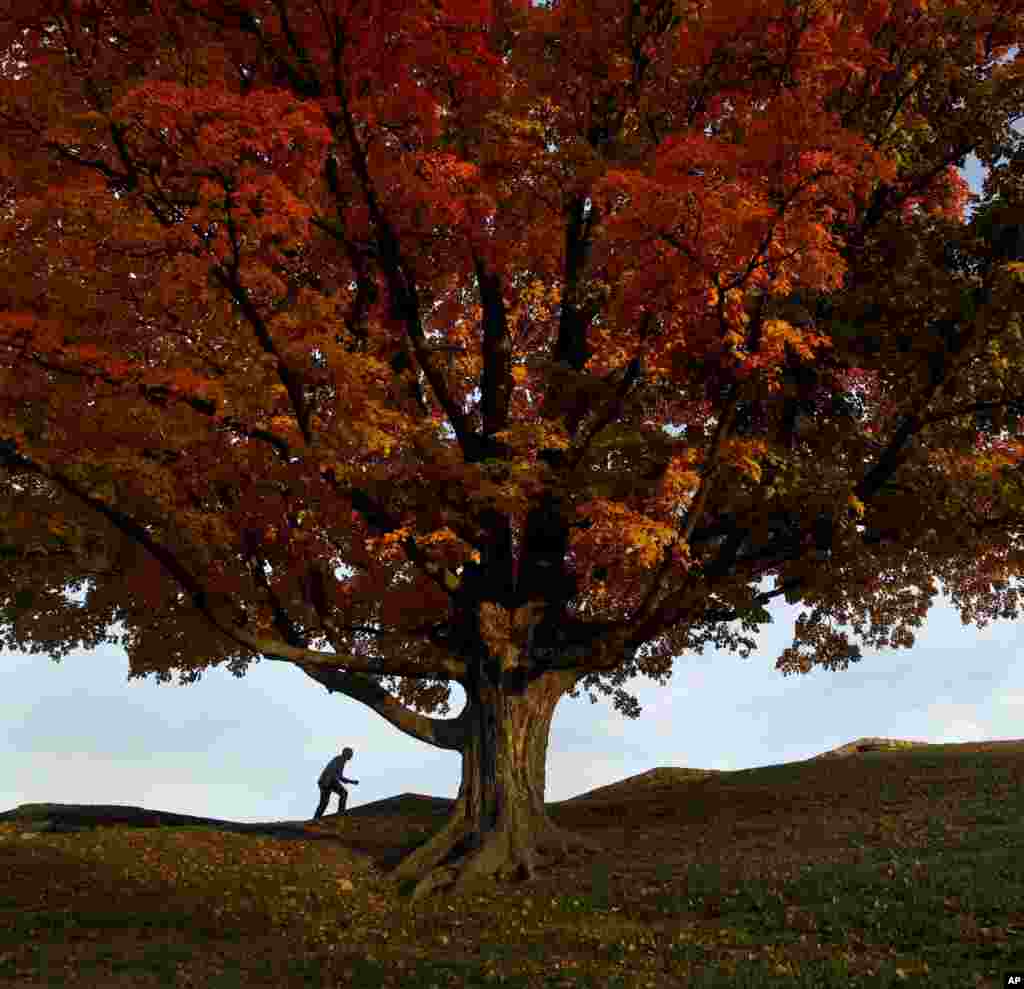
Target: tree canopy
x: 509, y: 345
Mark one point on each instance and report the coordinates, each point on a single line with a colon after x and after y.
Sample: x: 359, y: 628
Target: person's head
x: 346, y: 752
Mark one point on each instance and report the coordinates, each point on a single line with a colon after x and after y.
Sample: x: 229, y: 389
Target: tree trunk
x: 498, y: 824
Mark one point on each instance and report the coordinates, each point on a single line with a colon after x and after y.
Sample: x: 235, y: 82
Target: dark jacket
x: 334, y: 771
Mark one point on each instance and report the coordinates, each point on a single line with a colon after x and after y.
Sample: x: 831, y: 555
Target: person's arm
x: 343, y: 780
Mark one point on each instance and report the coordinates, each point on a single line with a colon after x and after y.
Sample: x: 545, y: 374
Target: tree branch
x: 158, y: 395
x: 402, y: 291
x: 373, y: 512
x: 571, y: 346
x: 496, y: 376
x: 964, y: 410
x: 290, y: 380
x: 445, y: 733
x: 451, y: 668
x: 714, y: 616
x: 646, y: 615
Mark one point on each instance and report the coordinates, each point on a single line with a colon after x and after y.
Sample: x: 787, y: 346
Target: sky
x: 250, y: 749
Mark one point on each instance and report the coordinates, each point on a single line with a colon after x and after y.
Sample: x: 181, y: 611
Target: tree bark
x: 498, y: 825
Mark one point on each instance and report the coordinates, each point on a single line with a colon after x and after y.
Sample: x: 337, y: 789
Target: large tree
x: 417, y: 342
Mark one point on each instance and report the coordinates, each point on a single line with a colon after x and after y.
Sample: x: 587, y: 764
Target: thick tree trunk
x: 498, y: 824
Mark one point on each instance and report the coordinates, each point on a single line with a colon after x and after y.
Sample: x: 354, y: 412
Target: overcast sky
x: 251, y: 749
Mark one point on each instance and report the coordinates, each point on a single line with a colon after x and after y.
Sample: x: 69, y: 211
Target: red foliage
x: 259, y: 254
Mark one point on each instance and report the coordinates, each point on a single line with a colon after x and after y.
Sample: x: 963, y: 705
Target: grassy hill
x: 881, y: 863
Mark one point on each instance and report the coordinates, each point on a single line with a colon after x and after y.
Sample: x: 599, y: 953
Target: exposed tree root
x: 458, y: 857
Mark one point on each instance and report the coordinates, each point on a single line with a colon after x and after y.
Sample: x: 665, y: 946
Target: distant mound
x: 404, y: 803
x: 64, y: 818
x: 644, y: 784
x: 871, y: 745
x: 901, y: 744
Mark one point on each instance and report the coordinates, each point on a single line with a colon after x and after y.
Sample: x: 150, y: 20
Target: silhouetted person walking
x: 330, y: 782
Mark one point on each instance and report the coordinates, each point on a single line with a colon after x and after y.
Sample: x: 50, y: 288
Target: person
x: 330, y: 782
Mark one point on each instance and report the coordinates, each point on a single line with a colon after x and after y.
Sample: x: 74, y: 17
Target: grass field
x: 887, y: 868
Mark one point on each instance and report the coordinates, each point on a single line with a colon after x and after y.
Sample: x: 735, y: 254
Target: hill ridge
x: 70, y: 817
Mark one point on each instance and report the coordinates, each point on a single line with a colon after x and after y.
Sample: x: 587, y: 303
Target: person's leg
x: 325, y: 795
x: 342, y: 799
